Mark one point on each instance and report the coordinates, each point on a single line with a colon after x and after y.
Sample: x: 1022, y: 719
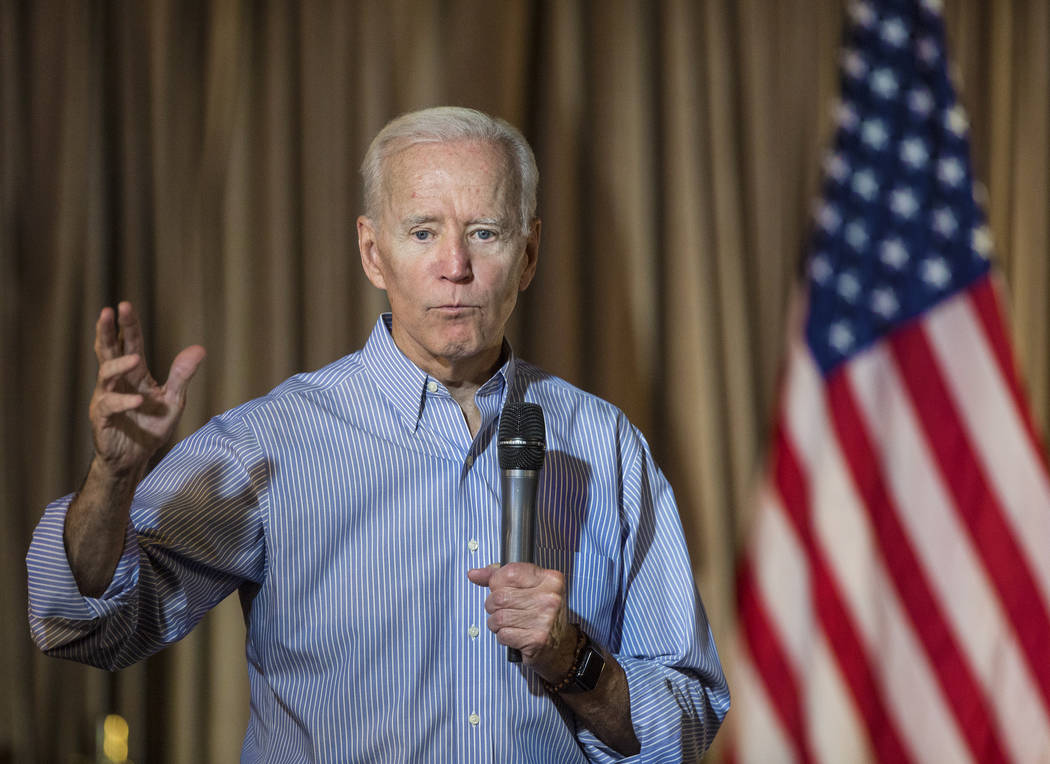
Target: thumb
x: 482, y: 576
x: 183, y: 368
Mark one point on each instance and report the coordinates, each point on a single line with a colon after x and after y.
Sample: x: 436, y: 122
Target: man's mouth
x: 454, y: 308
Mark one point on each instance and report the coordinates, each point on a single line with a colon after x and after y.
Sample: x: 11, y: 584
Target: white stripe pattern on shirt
x: 346, y: 507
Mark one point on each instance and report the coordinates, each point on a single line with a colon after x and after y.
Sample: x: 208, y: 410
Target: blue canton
x: 898, y: 228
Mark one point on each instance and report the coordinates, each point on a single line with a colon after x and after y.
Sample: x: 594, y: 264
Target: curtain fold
x: 201, y: 159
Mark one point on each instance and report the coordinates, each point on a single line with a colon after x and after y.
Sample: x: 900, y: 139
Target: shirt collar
x: 406, y: 386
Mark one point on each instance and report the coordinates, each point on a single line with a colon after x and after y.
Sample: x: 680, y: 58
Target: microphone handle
x: 519, y: 524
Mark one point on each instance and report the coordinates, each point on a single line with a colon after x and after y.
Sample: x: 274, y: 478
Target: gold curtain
x: 200, y: 158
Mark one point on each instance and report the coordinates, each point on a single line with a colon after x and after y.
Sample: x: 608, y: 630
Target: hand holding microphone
x: 526, y: 605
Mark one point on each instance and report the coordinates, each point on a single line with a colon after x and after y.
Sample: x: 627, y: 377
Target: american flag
x: 894, y: 596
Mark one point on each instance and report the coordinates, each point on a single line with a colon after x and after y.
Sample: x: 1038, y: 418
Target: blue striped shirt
x: 346, y: 507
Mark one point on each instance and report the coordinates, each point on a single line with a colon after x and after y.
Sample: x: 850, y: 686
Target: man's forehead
x: 470, y: 158
x: 477, y: 169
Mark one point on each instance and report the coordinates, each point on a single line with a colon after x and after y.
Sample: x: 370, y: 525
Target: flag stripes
x: 990, y: 315
x: 839, y: 629
x: 1000, y: 429
x: 974, y: 501
x: 962, y: 691
x: 948, y: 557
x: 771, y: 661
x: 963, y: 626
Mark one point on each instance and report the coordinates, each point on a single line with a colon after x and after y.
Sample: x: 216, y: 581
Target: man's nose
x: 455, y: 260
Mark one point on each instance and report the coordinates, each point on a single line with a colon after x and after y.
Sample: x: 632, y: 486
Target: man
x: 356, y: 511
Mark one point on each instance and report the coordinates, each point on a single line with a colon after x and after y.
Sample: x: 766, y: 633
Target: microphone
x: 522, y: 442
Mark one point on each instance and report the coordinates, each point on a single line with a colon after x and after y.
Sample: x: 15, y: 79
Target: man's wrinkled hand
x: 132, y: 415
x: 527, y: 610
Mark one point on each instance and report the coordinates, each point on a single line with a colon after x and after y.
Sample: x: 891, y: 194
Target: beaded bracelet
x: 581, y: 642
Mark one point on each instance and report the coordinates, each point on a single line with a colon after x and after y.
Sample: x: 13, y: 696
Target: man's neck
x: 464, y: 380
x: 463, y: 394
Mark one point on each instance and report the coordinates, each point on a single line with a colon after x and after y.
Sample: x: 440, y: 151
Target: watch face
x: 590, y: 670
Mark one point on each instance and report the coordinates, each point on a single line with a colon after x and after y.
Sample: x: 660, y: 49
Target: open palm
x: 132, y: 415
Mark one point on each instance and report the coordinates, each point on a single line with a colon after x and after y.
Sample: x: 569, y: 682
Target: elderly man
x: 356, y: 511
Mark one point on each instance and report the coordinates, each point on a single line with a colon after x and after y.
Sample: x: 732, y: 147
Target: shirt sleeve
x: 195, y: 535
x: 678, y: 692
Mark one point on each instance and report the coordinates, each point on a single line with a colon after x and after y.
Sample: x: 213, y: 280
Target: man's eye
x: 484, y: 234
x: 421, y: 235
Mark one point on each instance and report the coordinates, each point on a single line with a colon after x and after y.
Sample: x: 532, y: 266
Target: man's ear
x: 532, y: 255
x: 368, y: 244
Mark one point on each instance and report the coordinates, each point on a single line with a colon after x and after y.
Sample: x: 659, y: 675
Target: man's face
x: 449, y: 251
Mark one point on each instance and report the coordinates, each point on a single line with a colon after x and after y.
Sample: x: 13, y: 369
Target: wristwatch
x: 588, y: 668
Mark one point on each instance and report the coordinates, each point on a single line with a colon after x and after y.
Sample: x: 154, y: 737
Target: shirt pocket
x: 592, y: 585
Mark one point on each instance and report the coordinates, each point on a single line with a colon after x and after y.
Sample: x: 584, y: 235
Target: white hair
x: 443, y: 124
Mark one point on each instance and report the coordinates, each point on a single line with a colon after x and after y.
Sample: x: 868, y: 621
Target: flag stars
x: 828, y: 218
x: 935, y: 272
x: 846, y: 116
x: 894, y: 254
x: 945, y: 222
x: 920, y: 101
x: 981, y: 241
x: 820, y: 269
x: 865, y: 185
x: 893, y: 32
x: 836, y: 167
x: 884, y: 302
x: 928, y: 51
x: 840, y: 337
x: 854, y: 64
x: 956, y: 121
x: 914, y: 152
x: 903, y: 203
x: 884, y: 83
x: 862, y: 14
x: 848, y: 287
x: 874, y: 133
x: 857, y: 235
x: 896, y: 231
x: 950, y: 171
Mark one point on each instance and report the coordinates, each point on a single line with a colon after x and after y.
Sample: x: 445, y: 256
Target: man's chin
x: 459, y: 349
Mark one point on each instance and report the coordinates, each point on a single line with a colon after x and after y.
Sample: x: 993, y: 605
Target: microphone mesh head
x: 522, y: 437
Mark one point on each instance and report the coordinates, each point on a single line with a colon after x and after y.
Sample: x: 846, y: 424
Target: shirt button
x: 432, y: 386
x: 474, y: 720
x: 473, y: 631
x: 472, y: 545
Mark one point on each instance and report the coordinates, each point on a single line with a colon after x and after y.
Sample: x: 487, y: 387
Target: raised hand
x: 132, y: 415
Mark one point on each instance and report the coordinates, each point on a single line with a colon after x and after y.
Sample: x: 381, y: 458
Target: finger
x: 538, y: 621
x: 110, y: 372
x: 535, y: 601
x: 529, y: 640
x: 482, y: 576
x: 111, y: 404
x: 106, y: 346
x: 519, y: 575
x: 130, y: 329
x: 183, y: 368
